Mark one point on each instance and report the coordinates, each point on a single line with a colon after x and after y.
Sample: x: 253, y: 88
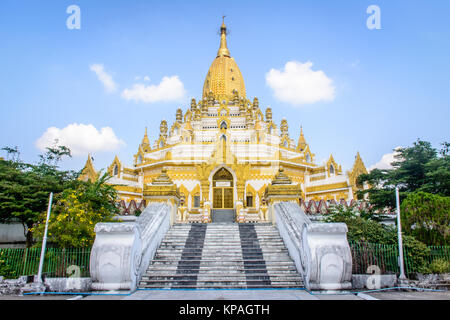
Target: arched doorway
x: 223, y: 189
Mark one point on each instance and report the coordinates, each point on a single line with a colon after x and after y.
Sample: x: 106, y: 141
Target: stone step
x: 221, y: 287
x: 243, y: 280
x: 223, y: 241
x: 256, y: 257
x: 221, y: 284
x: 224, y: 229
x: 222, y: 255
x: 222, y: 277
x: 219, y: 261
x: 223, y: 250
x: 219, y: 271
x: 247, y: 245
x: 221, y: 235
x: 225, y: 268
x: 224, y: 225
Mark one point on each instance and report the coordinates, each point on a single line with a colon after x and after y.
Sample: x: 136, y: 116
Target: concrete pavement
x: 242, y: 295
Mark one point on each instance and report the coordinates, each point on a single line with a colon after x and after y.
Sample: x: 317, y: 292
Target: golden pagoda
x: 224, y: 152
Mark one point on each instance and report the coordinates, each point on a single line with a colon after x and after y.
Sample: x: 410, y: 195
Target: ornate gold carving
x: 327, y: 187
x: 162, y: 186
x: 224, y: 75
x: 88, y: 173
x: 281, y: 189
x: 112, y: 169
x: 357, y: 169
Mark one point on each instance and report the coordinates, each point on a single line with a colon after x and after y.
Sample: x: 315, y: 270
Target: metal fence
x: 75, y: 262
x: 57, y: 263
x: 385, y: 257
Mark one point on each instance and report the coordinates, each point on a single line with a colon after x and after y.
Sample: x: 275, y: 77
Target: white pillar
x: 400, y: 241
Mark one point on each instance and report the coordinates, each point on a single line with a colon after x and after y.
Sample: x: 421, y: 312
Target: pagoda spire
x: 145, y: 144
x: 223, y: 50
x: 88, y: 172
x: 301, y: 140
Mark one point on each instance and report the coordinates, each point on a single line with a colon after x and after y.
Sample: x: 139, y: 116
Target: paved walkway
x: 221, y: 295
x: 241, y: 295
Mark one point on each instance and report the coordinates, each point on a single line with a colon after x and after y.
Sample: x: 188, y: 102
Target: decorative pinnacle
x: 281, y: 177
x: 163, y: 178
x: 223, y: 50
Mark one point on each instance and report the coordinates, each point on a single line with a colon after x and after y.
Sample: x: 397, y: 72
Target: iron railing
x: 58, y: 262
x: 385, y: 257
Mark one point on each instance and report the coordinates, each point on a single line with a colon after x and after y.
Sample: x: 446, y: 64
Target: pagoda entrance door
x: 223, y: 190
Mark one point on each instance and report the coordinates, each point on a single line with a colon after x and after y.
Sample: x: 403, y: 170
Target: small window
x: 161, y: 144
x: 116, y: 170
x: 223, y: 125
x: 196, y: 201
x: 308, y: 158
x: 331, y: 169
x: 139, y: 159
x: 250, y: 201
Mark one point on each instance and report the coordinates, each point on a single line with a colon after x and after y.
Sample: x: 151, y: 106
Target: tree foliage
x: 422, y: 175
x: 77, y: 211
x: 427, y: 217
x: 416, y: 168
x: 362, y: 227
x: 25, y: 188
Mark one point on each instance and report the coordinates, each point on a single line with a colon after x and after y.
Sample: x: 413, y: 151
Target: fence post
x: 25, y: 262
x: 44, y: 240
x: 402, y: 276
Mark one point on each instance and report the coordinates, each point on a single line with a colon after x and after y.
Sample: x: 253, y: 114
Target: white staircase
x: 222, y: 256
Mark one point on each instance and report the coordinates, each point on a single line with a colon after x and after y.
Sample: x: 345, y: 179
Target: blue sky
x: 391, y: 85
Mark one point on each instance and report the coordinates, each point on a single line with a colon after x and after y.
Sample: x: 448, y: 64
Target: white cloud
x: 146, y: 78
x: 299, y: 84
x: 80, y: 138
x: 104, y: 77
x: 385, y: 162
x: 170, y: 89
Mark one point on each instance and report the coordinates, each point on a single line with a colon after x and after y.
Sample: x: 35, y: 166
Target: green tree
x: 77, y: 211
x: 25, y: 188
x: 437, y: 173
x: 427, y: 217
x: 416, y: 168
x: 410, y: 166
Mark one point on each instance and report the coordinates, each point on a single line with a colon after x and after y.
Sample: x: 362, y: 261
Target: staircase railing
x: 122, y: 250
x: 320, y: 250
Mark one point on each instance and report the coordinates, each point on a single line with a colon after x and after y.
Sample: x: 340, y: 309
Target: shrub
x: 5, y: 270
x: 440, y: 265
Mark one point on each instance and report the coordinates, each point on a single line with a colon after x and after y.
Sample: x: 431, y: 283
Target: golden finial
x: 223, y: 50
x: 301, y: 145
x: 281, y: 177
